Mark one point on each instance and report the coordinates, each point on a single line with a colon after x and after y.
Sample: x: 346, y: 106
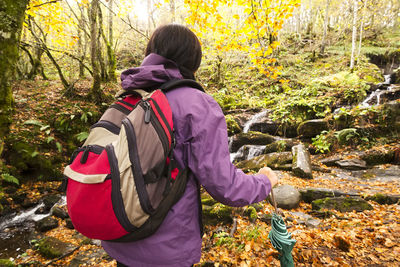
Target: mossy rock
x: 232, y: 125
x: 251, y: 213
x: 257, y: 206
x: 218, y: 213
x: 50, y: 247
x: 310, y: 195
x: 250, y: 138
x: 272, y: 160
x: 6, y: 263
x: 384, y: 199
x: 377, y: 157
x: 342, y: 204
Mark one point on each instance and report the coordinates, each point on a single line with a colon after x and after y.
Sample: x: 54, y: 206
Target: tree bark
x: 354, y: 36
x: 95, y: 92
x: 361, y: 32
x: 325, y: 26
x: 112, y: 63
x: 12, y: 15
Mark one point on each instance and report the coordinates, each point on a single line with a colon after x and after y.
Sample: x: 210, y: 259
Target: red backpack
x: 122, y: 182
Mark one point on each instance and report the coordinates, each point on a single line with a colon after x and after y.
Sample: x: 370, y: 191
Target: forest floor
x: 368, y: 238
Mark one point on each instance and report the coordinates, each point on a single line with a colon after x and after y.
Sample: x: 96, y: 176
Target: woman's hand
x: 271, y: 175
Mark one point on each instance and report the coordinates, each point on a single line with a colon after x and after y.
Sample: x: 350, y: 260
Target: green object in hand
x: 281, y: 240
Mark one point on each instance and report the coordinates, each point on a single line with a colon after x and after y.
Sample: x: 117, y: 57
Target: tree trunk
x: 361, y: 32
x: 325, y: 27
x: 354, y: 36
x: 95, y: 93
x: 81, y: 49
x: 12, y: 15
x: 112, y: 63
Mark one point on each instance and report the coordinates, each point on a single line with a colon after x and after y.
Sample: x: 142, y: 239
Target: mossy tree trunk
x: 11, y: 18
x: 95, y: 93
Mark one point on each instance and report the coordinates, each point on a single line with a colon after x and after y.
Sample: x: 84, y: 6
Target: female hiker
x: 174, y: 52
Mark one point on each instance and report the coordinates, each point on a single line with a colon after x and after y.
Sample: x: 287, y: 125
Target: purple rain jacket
x: 202, y: 145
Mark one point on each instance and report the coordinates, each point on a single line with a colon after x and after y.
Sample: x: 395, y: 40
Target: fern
x: 9, y: 178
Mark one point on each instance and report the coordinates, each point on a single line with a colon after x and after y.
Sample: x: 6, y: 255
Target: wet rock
x: 46, y: 224
x: 248, y: 152
x: 342, y: 204
x: 376, y: 157
x: 301, y: 162
x: 352, y: 164
x: 50, y: 200
x: 28, y: 203
x: 251, y: 138
x: 42, y: 210
x: 59, y: 213
x: 218, y: 213
x: 312, y: 128
x: 331, y: 161
x: 272, y: 160
x: 384, y: 198
x: 287, y: 197
x: 50, y: 247
x: 68, y: 224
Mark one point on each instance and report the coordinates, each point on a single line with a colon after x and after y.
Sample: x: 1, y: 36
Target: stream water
x: 16, y: 230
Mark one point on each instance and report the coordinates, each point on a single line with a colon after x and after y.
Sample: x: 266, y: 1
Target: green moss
x: 6, y: 263
x: 343, y: 204
x: 209, y: 201
x: 383, y: 199
x: 49, y: 247
x: 251, y: 213
x: 232, y: 124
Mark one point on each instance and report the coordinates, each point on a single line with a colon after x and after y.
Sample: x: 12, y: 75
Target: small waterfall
x: 375, y: 96
x: 28, y: 215
x: 247, y: 152
x: 254, y: 119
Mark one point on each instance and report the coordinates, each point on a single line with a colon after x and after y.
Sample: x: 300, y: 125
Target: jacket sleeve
x: 209, y: 159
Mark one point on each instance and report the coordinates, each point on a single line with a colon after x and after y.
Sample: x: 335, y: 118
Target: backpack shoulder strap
x: 179, y: 83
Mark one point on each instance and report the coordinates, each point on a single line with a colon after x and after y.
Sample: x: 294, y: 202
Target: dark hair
x: 179, y: 44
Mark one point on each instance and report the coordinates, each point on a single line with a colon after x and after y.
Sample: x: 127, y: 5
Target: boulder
x: 272, y: 160
x: 312, y: 128
x: 311, y: 194
x: 46, y: 224
x: 59, y: 213
x: 384, y: 198
x: 250, y: 138
x: 342, y: 204
x: 287, y: 197
x: 301, y: 165
x: 352, y: 164
x: 50, y: 247
x: 377, y: 157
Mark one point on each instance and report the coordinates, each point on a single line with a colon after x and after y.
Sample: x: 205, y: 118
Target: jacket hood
x: 154, y: 71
